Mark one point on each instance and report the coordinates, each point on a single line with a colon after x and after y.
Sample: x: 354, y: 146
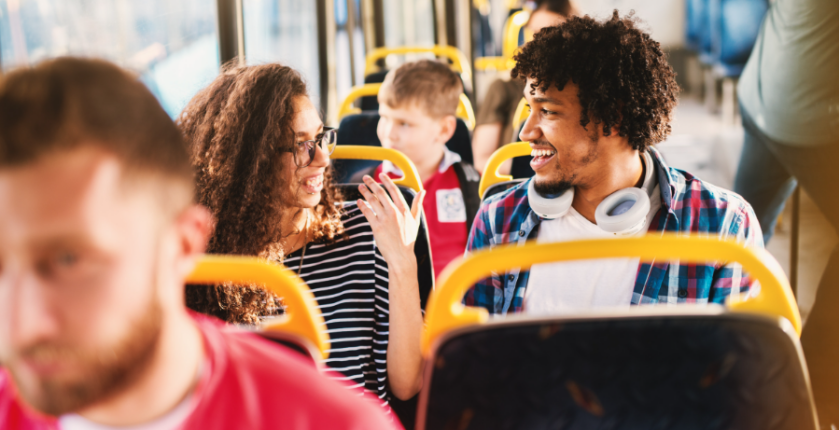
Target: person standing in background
x: 789, y: 103
x: 494, y: 118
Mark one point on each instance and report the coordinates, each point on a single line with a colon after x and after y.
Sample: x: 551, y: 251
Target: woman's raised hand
x: 394, y: 224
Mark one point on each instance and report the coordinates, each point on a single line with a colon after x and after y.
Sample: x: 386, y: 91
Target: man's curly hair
x: 622, y: 76
x: 234, y: 128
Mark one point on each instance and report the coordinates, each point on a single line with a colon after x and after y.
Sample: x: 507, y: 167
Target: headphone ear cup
x: 623, y: 212
x: 549, y: 208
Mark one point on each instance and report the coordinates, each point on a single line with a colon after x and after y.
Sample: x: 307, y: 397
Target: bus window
x: 172, y: 45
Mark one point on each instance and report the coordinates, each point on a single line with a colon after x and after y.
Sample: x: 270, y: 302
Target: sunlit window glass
x: 285, y: 32
x: 172, y: 45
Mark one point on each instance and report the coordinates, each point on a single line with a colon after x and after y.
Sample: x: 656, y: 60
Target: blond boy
x: 417, y: 105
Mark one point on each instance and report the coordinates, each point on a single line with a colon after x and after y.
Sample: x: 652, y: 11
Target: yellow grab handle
x: 491, y: 174
x: 411, y: 178
x: 459, y: 61
x: 496, y: 63
x: 521, y: 114
x: 510, y: 43
x: 356, y: 93
x: 302, y: 316
x: 445, y: 311
x: 465, y: 110
x: 513, y: 24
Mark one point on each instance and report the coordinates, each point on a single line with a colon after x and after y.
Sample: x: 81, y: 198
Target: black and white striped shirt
x: 349, y: 279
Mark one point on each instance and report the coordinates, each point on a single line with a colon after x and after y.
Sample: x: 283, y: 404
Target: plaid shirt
x: 689, y: 205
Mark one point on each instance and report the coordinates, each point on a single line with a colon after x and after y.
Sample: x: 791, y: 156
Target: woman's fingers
x: 366, y: 211
x: 396, y: 194
x: 374, y: 202
x: 379, y: 192
x: 417, y: 205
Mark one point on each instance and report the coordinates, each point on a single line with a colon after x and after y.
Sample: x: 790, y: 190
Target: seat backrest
x: 300, y: 325
x: 492, y: 177
x: 370, y: 103
x: 695, y: 23
x: 500, y: 187
x: 699, y: 367
x: 422, y: 247
x: 360, y: 129
x: 676, y: 371
x: 737, y: 24
x: 464, y: 110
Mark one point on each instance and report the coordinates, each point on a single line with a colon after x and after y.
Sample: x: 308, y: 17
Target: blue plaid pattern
x: 689, y: 205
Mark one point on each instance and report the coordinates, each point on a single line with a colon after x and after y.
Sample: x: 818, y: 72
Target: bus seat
x: 409, y: 185
x: 370, y: 103
x: 695, y: 23
x: 464, y: 111
x: 739, y: 366
x: 510, y: 43
x: 460, y: 62
x: 299, y: 327
x: 735, y: 27
x: 360, y: 130
x: 491, y: 181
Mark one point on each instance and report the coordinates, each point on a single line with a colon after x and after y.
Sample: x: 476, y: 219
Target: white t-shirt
x: 567, y: 287
x: 171, y: 421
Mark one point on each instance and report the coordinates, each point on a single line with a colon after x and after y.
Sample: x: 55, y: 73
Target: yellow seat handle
x: 465, y: 110
x: 302, y: 317
x: 356, y: 93
x: 460, y: 63
x: 510, y: 43
x: 410, y: 179
x: 445, y: 311
x: 491, y: 174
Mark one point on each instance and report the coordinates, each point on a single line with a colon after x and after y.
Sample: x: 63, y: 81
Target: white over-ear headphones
x: 623, y: 212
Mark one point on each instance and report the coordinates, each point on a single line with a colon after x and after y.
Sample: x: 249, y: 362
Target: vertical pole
x: 368, y: 24
x: 231, y: 31
x: 326, y: 60
x: 351, y: 29
x: 464, y: 12
x: 794, y: 242
x: 450, y: 18
x: 439, y: 8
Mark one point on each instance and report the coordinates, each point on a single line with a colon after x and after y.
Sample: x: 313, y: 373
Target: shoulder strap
x: 468, y: 178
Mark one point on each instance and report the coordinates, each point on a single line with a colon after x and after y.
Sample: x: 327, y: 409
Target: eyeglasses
x: 304, y: 152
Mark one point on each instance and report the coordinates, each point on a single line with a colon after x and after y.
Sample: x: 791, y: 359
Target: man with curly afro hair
x: 601, y: 94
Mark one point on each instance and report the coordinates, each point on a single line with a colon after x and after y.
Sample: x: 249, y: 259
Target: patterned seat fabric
x: 686, y: 372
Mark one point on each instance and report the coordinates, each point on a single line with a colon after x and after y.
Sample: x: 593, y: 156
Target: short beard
x: 104, y: 373
x: 551, y: 190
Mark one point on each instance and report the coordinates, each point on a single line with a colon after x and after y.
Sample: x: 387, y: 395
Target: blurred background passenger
x: 494, y: 119
x: 98, y: 231
x: 261, y: 154
x: 789, y: 104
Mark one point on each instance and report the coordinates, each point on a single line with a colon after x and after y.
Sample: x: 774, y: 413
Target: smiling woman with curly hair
x: 261, y: 156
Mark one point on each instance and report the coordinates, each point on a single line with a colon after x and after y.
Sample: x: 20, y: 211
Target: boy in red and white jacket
x: 417, y: 105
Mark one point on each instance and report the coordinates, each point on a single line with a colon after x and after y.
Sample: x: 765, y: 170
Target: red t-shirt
x: 446, y: 215
x: 251, y: 383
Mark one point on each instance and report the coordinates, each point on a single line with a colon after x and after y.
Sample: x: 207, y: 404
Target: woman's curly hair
x: 234, y: 128
x: 621, y: 73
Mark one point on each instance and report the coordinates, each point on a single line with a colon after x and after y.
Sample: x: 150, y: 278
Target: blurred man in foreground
x: 97, y: 233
